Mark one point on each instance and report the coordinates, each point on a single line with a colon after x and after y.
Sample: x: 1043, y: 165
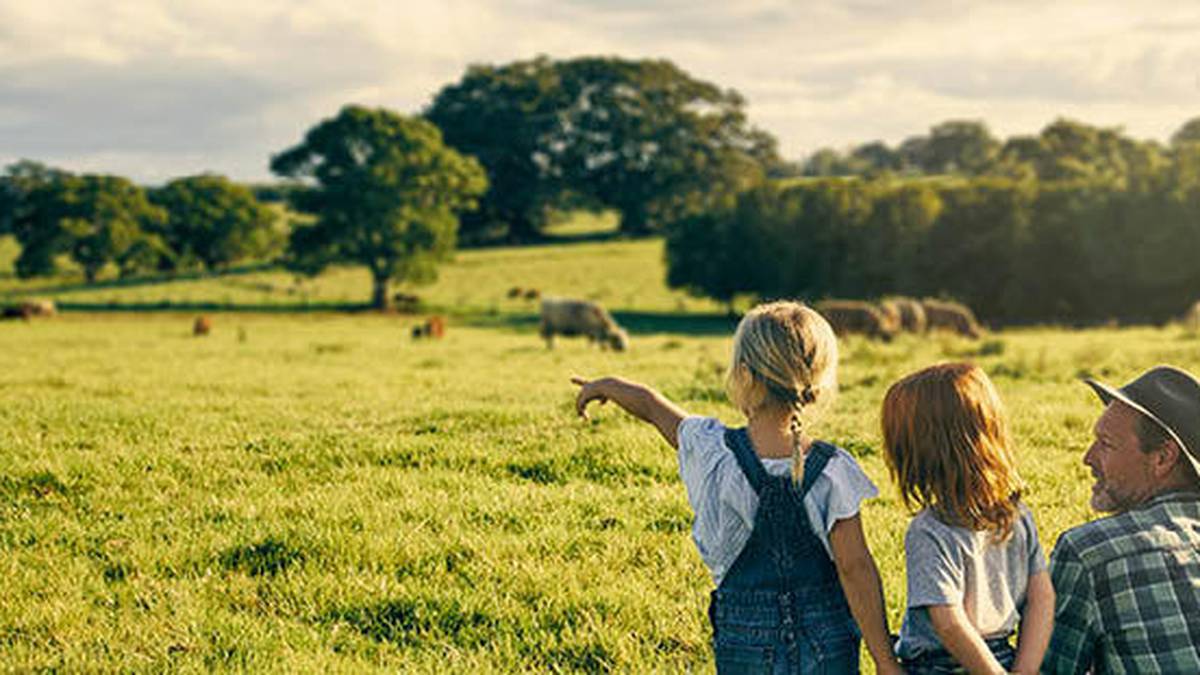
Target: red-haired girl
x: 975, y: 567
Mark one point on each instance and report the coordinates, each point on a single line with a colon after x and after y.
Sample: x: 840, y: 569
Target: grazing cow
x: 1191, y: 318
x: 561, y: 316
x: 405, y: 302
x: 532, y: 294
x: 952, y: 316
x: 891, y: 316
x: 434, y: 327
x: 21, y: 311
x: 912, y: 314
x: 854, y: 316
x: 516, y: 292
x: 30, y: 308
x: 201, y: 326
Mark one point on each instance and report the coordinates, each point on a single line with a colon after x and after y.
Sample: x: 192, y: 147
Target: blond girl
x: 776, y: 511
x: 975, y: 566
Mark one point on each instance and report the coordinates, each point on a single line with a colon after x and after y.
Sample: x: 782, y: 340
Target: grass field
x: 314, y: 491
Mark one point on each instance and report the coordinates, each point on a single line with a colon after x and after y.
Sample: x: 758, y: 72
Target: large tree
x: 507, y: 118
x: 646, y: 138
x: 957, y: 146
x: 643, y: 137
x: 95, y: 219
x: 385, y: 191
x: 110, y: 220
x: 16, y: 184
x: 1188, y: 133
x: 213, y: 220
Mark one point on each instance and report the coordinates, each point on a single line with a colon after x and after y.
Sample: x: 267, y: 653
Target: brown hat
x: 1170, y: 397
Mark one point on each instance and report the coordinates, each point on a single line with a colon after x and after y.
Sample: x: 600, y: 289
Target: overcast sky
x: 154, y: 89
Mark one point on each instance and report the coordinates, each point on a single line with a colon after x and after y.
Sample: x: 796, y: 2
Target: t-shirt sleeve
x: 934, y: 567
x: 699, y: 451
x: 1037, y: 556
x: 721, y: 498
x: 837, y: 494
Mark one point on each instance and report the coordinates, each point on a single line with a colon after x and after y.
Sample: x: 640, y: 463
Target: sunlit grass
x: 317, y: 491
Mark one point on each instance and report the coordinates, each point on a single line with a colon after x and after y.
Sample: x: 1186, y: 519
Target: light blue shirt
x: 725, y: 504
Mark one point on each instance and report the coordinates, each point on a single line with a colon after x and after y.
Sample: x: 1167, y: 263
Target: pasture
x: 308, y: 491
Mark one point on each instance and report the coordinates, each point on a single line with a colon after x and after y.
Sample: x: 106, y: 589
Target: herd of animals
x: 882, y: 320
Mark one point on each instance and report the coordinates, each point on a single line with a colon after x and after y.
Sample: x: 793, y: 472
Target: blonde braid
x: 797, y: 444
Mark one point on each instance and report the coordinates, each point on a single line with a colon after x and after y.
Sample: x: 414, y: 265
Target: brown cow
x: 912, y: 314
x: 891, y: 316
x: 21, y: 311
x: 854, y: 316
x: 406, y: 302
x: 434, y: 327
x: 27, y: 309
x: 201, y: 326
x: 532, y: 294
x: 1191, y: 318
x: 516, y: 292
x: 952, y: 316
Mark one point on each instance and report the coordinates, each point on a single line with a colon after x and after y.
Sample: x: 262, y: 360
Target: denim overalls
x: 780, y: 608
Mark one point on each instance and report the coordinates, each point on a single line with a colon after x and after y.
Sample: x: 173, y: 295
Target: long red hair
x: 948, y: 448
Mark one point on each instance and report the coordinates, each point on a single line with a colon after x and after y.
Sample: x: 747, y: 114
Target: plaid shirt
x: 1128, y: 591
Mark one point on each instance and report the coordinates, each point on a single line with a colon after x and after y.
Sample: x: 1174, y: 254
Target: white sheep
x: 563, y: 316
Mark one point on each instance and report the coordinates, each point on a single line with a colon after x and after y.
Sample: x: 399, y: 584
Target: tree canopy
x: 640, y: 136
x: 1188, y: 133
x: 16, y: 184
x: 213, y: 220
x: 95, y: 219
x: 385, y: 191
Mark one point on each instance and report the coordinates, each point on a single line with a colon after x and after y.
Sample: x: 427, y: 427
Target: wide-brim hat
x: 1170, y: 397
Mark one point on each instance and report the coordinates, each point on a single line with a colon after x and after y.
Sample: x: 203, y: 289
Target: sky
x: 156, y: 89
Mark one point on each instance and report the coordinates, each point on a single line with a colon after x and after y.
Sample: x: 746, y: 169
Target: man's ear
x: 1165, y: 457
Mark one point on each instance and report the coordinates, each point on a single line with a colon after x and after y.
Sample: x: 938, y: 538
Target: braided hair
x: 785, y: 354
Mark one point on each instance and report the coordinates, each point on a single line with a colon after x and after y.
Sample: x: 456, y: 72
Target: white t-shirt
x: 725, y: 504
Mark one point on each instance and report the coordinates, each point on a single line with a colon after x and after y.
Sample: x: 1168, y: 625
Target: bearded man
x: 1127, y: 585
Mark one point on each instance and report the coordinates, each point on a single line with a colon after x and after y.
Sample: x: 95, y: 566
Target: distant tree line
x: 98, y: 220
x: 1078, y: 224
x: 1064, y: 150
x: 378, y: 189
x: 492, y: 158
x: 956, y: 211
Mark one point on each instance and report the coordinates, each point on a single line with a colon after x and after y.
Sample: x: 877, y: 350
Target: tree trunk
x: 635, y: 220
x: 381, y: 299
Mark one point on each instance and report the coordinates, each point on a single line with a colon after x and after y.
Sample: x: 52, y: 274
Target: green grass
x: 303, y: 492
x: 624, y: 275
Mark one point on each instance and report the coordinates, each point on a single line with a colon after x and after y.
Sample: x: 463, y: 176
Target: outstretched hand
x: 636, y: 399
x: 589, y: 390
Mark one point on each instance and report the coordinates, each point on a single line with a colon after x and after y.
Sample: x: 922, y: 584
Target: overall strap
x: 819, y: 454
x: 738, y: 440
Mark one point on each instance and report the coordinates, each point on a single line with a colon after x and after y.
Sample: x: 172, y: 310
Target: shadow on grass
x: 674, y: 322
x: 199, y: 306
x: 135, y: 282
x: 637, y: 323
x: 552, y: 240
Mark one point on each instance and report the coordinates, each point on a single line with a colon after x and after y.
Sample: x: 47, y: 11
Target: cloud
x: 157, y: 88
